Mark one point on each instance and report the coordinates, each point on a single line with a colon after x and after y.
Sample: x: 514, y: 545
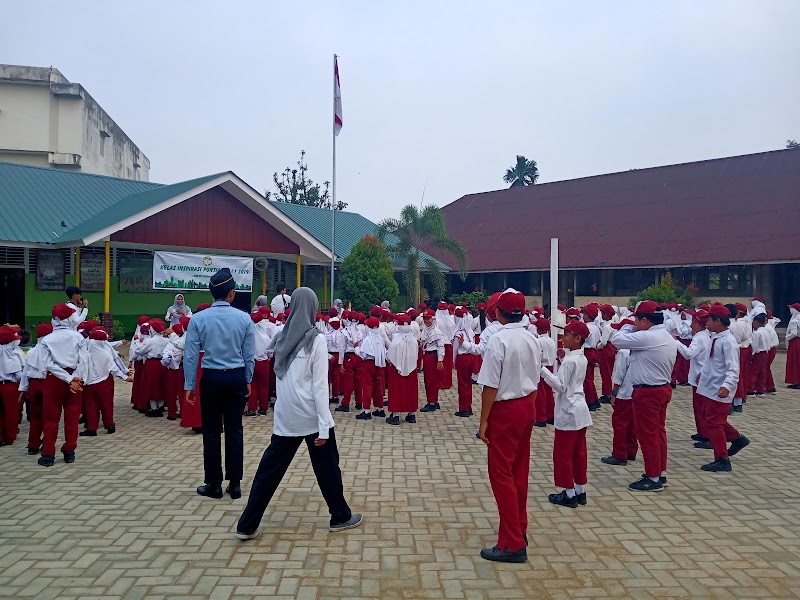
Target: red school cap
x: 511, y: 302
x: 461, y: 311
x: 718, y: 310
x: 578, y: 328
x: 62, y: 312
x: 7, y: 334
x: 43, y: 329
x: 428, y: 313
x: 591, y: 310
x: 647, y: 307
x: 256, y: 317
x: 333, y: 312
x: 184, y: 322
x: 542, y: 325
x: 178, y: 328
x: 143, y: 319
x: 99, y: 333
x: 373, y: 322
x: 202, y: 307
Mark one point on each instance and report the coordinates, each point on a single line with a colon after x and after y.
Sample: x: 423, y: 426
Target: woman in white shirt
x: 301, y: 413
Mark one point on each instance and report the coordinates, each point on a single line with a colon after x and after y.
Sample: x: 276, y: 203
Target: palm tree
x: 414, y: 229
x: 524, y: 172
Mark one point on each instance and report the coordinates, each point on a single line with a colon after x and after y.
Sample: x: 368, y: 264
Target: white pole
x: 333, y: 186
x: 553, y: 285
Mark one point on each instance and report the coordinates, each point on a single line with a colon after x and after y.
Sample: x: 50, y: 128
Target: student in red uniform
x: 653, y: 352
x: 509, y: 376
x: 572, y: 419
x: 258, y: 401
x: 172, y: 359
x: 697, y: 354
x: 624, y: 445
x: 759, y: 363
x: 12, y: 363
x: 432, y: 344
x: 372, y: 351
x: 545, y: 401
x: 793, y: 348
x: 350, y: 371
x: 718, y: 382
x: 606, y: 352
x: 465, y: 363
x: 403, y: 385
x: 137, y: 365
x: 589, y: 314
x: 447, y: 325
x: 32, y: 385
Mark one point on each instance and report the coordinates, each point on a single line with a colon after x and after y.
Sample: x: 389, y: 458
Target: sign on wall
x: 93, y: 272
x: 185, y: 272
x: 50, y: 275
x: 135, y: 272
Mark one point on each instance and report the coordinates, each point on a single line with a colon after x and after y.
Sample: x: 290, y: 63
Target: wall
x: 24, y: 118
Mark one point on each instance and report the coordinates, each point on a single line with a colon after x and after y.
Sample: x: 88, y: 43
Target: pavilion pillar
x: 78, y: 266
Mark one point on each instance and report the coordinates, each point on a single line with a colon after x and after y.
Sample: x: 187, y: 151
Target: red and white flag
x: 337, y: 99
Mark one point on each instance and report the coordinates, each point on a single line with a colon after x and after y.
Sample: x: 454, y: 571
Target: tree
x: 524, y: 172
x: 665, y: 291
x: 367, y: 274
x: 792, y: 144
x: 418, y: 228
x: 296, y: 187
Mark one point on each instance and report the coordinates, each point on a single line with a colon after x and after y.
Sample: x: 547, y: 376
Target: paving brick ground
x: 124, y: 520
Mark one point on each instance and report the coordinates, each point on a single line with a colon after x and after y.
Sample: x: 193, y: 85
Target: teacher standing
x: 302, y: 413
x: 227, y: 336
x: 177, y: 310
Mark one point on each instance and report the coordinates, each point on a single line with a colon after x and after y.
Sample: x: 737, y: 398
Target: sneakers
x: 464, y: 413
x: 645, y: 484
x: 540, y: 424
x: 47, y: 460
x: 263, y: 412
x: 718, y: 466
x: 497, y: 555
x: 737, y: 445
x: 662, y: 480
x: 430, y: 407
x: 738, y: 409
x: 364, y: 416
x: 561, y: 499
x: 342, y: 408
x: 379, y: 413
x: 248, y: 536
x: 411, y: 418
x: 706, y: 445
x: 333, y: 400
x: 250, y: 413
x: 698, y: 438
x: 613, y: 460
x: 69, y: 457
x: 581, y: 498
x: 354, y: 521
x: 87, y: 432
x: 395, y: 420
x: 359, y: 406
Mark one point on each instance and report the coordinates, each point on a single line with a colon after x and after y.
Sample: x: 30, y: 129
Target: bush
x: 665, y: 291
x: 473, y: 298
x: 367, y: 275
x: 117, y: 331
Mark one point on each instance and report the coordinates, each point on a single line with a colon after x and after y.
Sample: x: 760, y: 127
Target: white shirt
x: 653, y: 353
x: 302, y: 407
x: 30, y: 371
x: 742, y: 332
x: 761, y: 340
x: 486, y: 335
x: 774, y: 340
x: 95, y: 364
x: 571, y: 412
x: 696, y: 353
x: 721, y: 369
x: 793, y: 326
x: 280, y: 303
x: 512, y: 363
x: 61, y: 352
x: 594, y: 336
x: 337, y: 343
x: 621, y: 364
x: 78, y: 317
x: 548, y: 345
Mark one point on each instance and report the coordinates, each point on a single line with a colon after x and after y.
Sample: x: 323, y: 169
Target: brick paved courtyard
x: 124, y: 520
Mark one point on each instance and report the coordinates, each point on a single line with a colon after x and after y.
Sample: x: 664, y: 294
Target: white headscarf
x: 172, y: 312
x: 403, y: 351
x: 372, y: 346
x: 263, y: 338
x: 431, y: 334
x: 446, y: 324
x: 12, y: 361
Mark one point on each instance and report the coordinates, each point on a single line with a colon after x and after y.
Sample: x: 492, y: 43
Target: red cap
x: 412, y: 313
x: 578, y: 328
x: 142, y: 320
x: 178, y: 328
x: 375, y: 311
x: 542, y: 325
x: 441, y: 306
x: 591, y: 310
x: 561, y: 307
x: 347, y: 314
x: 373, y: 322
x: 573, y: 312
x: 43, y: 329
x: 256, y: 317
x: 701, y: 315
x: 465, y: 304
x: 386, y: 314
x: 265, y: 310
x: 461, y: 311
x: 422, y: 306
x: 740, y: 307
x: 619, y: 325
x: 481, y: 305
x: 757, y: 298
x: 287, y: 312
x: 184, y: 322
x: 511, y: 302
x: 333, y: 312
x: 718, y: 310
x: 428, y: 313
x: 795, y: 306
x: 403, y: 319
x: 144, y: 328
x: 99, y: 333
x: 7, y: 334
x: 491, y: 305
x: 62, y: 312
x: 646, y: 307
x: 769, y: 314
x: 607, y: 309
x: 335, y: 322
x: 362, y: 318
x: 203, y: 306
x: 158, y: 325
x: 90, y: 324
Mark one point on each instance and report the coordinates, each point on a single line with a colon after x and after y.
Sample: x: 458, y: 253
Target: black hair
x: 725, y: 320
x: 654, y: 318
x: 761, y: 318
x: 24, y: 337
x: 733, y: 310
x: 220, y: 293
x: 482, y: 318
x: 510, y: 318
x: 281, y: 286
x: 72, y: 290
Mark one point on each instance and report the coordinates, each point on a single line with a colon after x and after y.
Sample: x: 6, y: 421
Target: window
x: 713, y: 280
x: 103, y: 136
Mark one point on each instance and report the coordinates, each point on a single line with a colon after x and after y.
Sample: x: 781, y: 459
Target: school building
x: 729, y: 227
x: 62, y: 228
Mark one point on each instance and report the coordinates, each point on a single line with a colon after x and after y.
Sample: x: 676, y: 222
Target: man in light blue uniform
x: 226, y: 335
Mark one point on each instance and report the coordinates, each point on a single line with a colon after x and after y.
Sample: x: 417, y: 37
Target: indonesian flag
x: 337, y: 99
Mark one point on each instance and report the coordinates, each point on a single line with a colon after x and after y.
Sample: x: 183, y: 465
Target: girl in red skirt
x: 793, y: 348
x: 402, y: 370
x: 172, y: 359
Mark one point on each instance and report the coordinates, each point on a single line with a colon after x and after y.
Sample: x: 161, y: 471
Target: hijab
x: 12, y: 360
x: 172, y: 311
x: 372, y: 346
x: 403, y: 351
x: 299, y: 332
x: 263, y: 337
x: 260, y: 301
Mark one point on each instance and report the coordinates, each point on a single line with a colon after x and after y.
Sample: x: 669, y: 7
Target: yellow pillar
x: 298, y: 271
x: 78, y: 266
x: 325, y: 288
x: 108, y: 278
x: 263, y: 283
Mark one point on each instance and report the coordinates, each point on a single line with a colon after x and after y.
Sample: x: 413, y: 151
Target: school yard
x: 124, y: 520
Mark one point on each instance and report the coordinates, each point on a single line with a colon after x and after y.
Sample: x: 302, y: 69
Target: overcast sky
x: 438, y: 96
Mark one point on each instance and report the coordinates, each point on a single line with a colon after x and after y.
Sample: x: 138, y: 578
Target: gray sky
x: 440, y: 95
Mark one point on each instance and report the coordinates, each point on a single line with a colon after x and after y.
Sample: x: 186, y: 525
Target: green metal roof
x: 350, y: 228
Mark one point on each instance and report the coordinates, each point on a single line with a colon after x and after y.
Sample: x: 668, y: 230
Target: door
x: 12, y: 296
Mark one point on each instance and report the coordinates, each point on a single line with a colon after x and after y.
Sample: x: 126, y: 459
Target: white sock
x: 653, y: 479
x: 580, y: 489
x: 664, y: 474
x: 410, y: 415
x: 365, y: 411
x: 570, y: 493
x: 153, y: 404
x: 737, y: 401
x: 391, y: 415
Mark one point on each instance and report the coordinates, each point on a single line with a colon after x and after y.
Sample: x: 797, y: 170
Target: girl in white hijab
x: 402, y: 373
x: 793, y: 347
x: 372, y: 351
x: 12, y: 361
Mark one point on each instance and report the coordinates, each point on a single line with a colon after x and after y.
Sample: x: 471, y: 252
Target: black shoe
x: 497, y: 555
x: 698, y: 438
x: 539, y: 424
x: 551, y: 421
x: 738, y: 409
x: 759, y: 394
x: 561, y: 499
x: 395, y: 420
x: 429, y: 407
x: 210, y: 491
x: 794, y: 386
x: 613, y: 460
x: 333, y: 400
x: 718, y: 466
x: 47, y: 460
x: 234, y: 489
x: 249, y: 413
x: 197, y: 429
x: 662, y: 480
x: 525, y: 537
x: 111, y: 430
x: 464, y: 413
x: 673, y: 385
x: 153, y: 413
x: 581, y: 498
x: 87, y: 432
x: 364, y: 416
x: 172, y: 418
x: 33, y: 451
x: 379, y: 413
x: 753, y: 393
x: 645, y: 484
x: 594, y: 407
x: 82, y: 420
x: 772, y: 392
x: 631, y: 458
x: 706, y: 445
x: 411, y: 418
x: 142, y: 411
x: 737, y: 445
x: 263, y: 411
x: 69, y: 457
x: 342, y: 408
x: 359, y: 406
x: 420, y: 371
x: 605, y: 400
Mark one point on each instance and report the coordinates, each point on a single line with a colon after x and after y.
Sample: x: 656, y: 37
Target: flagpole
x: 333, y: 186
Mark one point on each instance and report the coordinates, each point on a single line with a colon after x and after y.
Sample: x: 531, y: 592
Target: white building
x: 47, y: 121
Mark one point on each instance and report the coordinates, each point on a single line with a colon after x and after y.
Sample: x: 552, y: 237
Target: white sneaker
x: 248, y: 536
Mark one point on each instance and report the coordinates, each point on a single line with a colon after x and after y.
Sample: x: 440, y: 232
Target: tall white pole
x: 553, y: 285
x: 333, y: 187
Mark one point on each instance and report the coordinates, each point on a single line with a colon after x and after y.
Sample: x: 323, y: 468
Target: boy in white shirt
x: 624, y: 444
x: 572, y: 418
x: 545, y: 402
x: 774, y: 342
x: 32, y: 385
x: 758, y: 363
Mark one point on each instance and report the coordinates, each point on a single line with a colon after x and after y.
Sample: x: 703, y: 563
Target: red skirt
x: 403, y: 391
x: 154, y: 381
x: 793, y: 362
x: 745, y: 355
x: 190, y: 413
x: 136, y: 392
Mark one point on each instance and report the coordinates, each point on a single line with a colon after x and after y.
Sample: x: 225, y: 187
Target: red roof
x: 741, y: 209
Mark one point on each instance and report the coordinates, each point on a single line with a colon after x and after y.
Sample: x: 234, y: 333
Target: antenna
x: 424, y: 187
